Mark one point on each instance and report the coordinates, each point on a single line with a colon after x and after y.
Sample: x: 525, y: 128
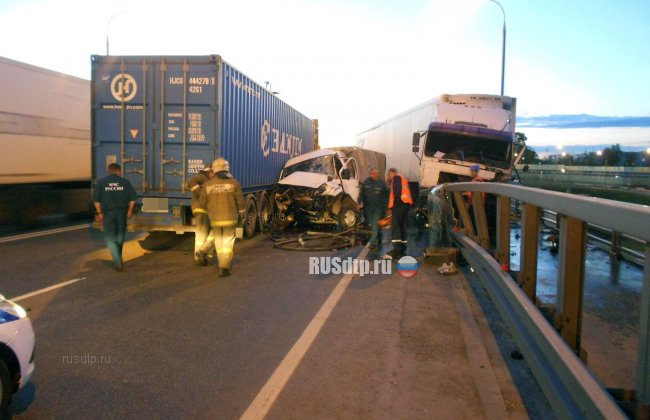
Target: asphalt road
x: 163, y: 338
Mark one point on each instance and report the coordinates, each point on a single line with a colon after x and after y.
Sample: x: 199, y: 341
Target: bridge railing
x: 552, y: 350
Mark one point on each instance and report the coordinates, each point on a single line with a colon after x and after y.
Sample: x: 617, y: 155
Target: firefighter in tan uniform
x: 203, y: 241
x: 223, y: 199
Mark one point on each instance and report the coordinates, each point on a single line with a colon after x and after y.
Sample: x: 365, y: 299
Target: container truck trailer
x: 163, y: 118
x: 438, y: 141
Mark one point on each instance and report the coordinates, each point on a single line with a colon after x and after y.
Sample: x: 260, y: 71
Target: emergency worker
x: 114, y: 199
x: 203, y: 241
x: 223, y: 199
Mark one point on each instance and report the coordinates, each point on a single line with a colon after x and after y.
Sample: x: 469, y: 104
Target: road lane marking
x: 274, y: 385
x: 43, y: 233
x: 47, y: 289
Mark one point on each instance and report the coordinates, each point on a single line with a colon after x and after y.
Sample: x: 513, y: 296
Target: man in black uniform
x: 203, y: 241
x: 373, y: 200
x: 399, y: 204
x: 114, y: 199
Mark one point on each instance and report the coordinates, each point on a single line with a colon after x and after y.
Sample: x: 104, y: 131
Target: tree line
x: 609, y: 156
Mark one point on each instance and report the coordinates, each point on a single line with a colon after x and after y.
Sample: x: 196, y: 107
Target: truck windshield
x: 319, y: 165
x: 478, y: 149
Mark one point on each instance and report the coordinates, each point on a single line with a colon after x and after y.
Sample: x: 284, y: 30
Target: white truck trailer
x: 437, y: 141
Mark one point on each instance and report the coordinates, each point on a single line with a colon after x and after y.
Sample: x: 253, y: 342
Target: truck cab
x: 450, y: 149
x: 467, y: 130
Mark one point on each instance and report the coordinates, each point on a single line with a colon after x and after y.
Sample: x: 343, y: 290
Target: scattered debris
x: 319, y: 241
x: 448, y: 268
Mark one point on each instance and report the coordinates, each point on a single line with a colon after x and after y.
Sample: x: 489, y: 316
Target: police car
x: 16, y: 350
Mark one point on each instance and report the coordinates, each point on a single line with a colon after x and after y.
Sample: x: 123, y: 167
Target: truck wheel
x: 5, y: 387
x: 265, y: 213
x: 250, y: 221
x: 348, y: 216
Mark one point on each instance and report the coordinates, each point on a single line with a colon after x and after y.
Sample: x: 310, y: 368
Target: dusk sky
x: 354, y: 63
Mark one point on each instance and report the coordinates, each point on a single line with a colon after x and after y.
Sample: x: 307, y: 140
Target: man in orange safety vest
x: 400, y: 201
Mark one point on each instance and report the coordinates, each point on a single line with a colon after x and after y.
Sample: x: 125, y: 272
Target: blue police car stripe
x: 7, y: 317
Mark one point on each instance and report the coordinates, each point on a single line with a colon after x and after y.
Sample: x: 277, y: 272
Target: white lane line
x: 47, y: 289
x: 43, y: 233
x: 268, y: 394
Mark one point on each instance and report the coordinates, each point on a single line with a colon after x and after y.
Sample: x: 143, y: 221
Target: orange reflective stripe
x: 225, y: 223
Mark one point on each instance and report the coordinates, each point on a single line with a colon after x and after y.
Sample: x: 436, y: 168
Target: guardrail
x: 552, y: 350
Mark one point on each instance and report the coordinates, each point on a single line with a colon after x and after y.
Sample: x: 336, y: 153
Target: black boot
x: 200, y: 258
x: 400, y: 250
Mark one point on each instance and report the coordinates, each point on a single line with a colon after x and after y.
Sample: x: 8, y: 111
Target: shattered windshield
x: 478, y: 149
x: 319, y: 165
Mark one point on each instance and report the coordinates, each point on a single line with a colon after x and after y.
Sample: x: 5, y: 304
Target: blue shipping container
x: 163, y: 118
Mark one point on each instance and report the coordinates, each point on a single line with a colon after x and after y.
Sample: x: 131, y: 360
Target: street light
x: 503, y: 45
x: 599, y: 153
x: 108, y: 24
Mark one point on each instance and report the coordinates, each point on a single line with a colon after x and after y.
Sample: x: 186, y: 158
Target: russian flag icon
x: 407, y: 266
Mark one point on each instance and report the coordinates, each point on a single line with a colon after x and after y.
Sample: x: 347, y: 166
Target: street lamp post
x: 503, y: 46
x: 108, y: 25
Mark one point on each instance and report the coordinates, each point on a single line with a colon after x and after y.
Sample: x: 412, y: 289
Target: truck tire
x: 348, y: 216
x: 250, y: 219
x: 265, y: 210
x: 6, y: 388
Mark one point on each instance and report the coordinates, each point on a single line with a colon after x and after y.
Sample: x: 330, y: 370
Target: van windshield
x: 319, y: 165
x: 469, y: 148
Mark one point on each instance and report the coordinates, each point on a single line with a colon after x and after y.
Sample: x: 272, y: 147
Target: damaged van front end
x: 319, y: 188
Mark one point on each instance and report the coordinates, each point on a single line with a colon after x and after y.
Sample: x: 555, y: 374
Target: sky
x: 353, y: 63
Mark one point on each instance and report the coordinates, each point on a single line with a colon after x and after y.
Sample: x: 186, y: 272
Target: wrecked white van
x: 322, y: 187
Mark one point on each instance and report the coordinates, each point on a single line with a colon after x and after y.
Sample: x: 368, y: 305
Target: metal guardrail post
x: 571, y: 277
x: 643, y: 357
x: 615, y: 250
x: 503, y: 230
x: 478, y: 205
x: 529, y: 248
x: 464, y: 215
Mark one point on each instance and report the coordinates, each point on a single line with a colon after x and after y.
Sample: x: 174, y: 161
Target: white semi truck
x: 438, y: 141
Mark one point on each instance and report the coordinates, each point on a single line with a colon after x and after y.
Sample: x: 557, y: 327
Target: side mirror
x: 416, y: 142
x: 345, y: 174
x: 525, y: 168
